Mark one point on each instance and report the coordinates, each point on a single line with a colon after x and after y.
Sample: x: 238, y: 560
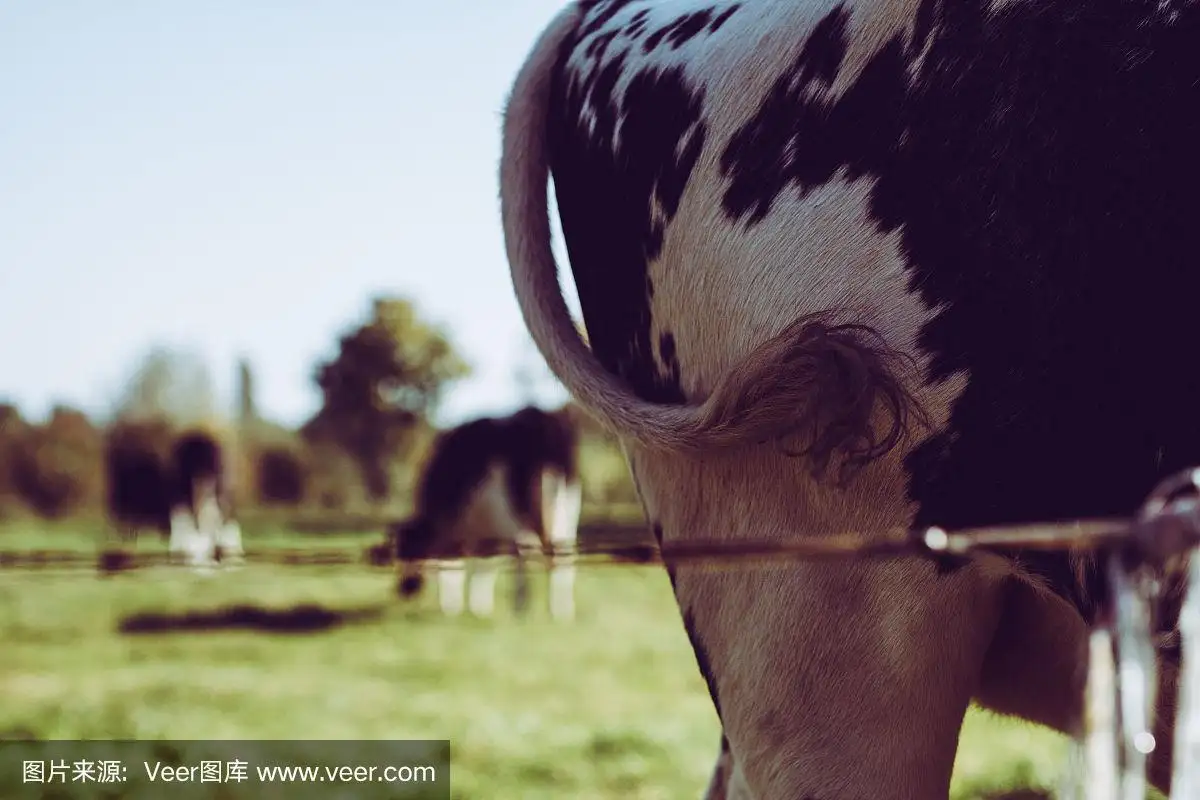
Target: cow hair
x: 824, y: 382
x: 768, y: 395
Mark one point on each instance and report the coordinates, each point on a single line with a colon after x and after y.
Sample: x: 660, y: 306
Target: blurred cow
x: 203, y: 526
x: 495, y: 487
x: 184, y: 497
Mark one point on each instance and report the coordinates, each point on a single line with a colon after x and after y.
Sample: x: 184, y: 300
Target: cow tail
x: 817, y: 377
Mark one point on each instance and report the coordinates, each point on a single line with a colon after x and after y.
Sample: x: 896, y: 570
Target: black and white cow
x: 491, y: 488
x: 946, y: 250
x: 204, y: 527
x: 184, y: 497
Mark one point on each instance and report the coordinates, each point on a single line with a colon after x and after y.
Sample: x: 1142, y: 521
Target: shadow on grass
x: 306, y: 618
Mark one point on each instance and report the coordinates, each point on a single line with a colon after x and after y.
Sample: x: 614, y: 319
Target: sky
x: 238, y: 177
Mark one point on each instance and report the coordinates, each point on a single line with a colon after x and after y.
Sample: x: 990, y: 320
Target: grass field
x: 609, y: 707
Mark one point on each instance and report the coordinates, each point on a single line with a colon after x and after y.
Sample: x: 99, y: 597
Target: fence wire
x: 1079, y: 535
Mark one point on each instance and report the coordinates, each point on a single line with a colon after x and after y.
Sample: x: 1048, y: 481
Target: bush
x: 282, y: 477
x: 57, y: 468
x: 13, y: 431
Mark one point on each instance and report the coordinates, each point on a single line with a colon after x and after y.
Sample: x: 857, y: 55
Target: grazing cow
x: 184, y: 497
x: 203, y: 526
x: 866, y: 265
x: 492, y: 487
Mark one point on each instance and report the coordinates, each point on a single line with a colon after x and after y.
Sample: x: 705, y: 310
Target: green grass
x: 609, y: 707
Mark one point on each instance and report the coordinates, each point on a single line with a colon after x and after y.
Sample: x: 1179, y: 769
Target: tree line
x: 360, y: 452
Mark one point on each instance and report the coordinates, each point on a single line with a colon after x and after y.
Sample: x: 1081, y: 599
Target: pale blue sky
x: 238, y: 176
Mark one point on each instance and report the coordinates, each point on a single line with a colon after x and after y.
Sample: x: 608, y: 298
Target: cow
x: 204, y: 528
x: 867, y: 265
x: 183, y: 496
x: 495, y: 487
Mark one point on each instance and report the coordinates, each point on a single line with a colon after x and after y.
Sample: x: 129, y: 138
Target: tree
x: 247, y: 411
x: 534, y: 381
x: 334, y: 482
x: 169, y: 384
x: 136, y: 457
x: 388, y: 377
x: 282, y: 476
x: 59, y: 468
x: 14, y: 431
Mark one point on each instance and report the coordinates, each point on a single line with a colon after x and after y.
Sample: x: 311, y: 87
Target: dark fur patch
x: 196, y: 457
x: 1045, y: 191
x: 679, y: 31
x: 799, y: 139
x: 605, y: 198
x: 534, y: 440
x: 457, y: 465
x: 600, y: 12
x: 723, y: 17
x: 666, y: 353
x: 637, y: 25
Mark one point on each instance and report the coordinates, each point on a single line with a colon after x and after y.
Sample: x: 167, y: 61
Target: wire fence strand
x: 1079, y: 536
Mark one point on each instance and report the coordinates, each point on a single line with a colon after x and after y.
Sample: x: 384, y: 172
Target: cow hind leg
x: 229, y: 543
x: 562, y: 499
x: 182, y: 532
x: 452, y: 578
x: 209, y: 524
x: 188, y: 543
x: 507, y: 529
x: 482, y: 589
x: 906, y: 645
x: 521, y: 579
x: 411, y: 578
x: 562, y: 586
